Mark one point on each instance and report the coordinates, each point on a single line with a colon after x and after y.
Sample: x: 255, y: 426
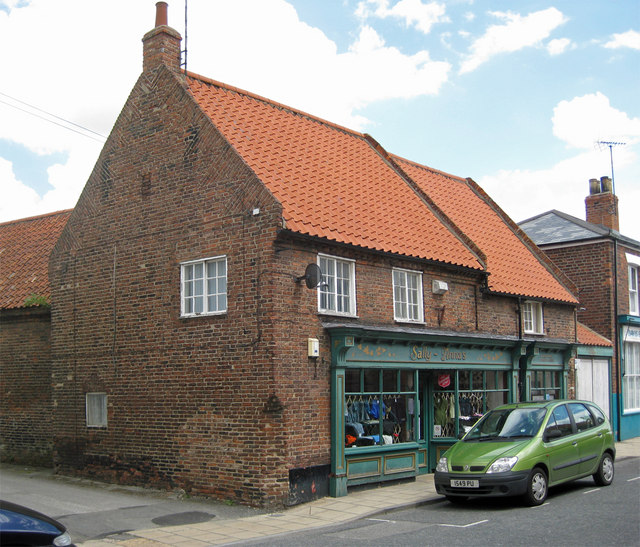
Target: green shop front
x: 402, y: 397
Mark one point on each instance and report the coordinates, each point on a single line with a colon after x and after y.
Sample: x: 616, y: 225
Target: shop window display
x: 546, y: 385
x: 380, y: 407
x: 462, y: 397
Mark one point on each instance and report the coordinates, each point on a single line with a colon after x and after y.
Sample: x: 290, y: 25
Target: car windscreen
x: 507, y: 423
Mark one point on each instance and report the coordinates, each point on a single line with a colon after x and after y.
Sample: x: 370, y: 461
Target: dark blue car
x: 20, y: 526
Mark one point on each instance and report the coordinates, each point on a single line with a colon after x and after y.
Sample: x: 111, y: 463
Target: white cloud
x: 629, y: 39
x: 413, y: 13
x: 582, y: 121
x: 578, y: 122
x: 558, y: 46
x: 517, y: 33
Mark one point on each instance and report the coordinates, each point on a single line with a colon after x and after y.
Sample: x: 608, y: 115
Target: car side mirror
x: 551, y: 434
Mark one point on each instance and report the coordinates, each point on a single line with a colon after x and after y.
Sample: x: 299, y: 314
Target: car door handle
x: 574, y: 443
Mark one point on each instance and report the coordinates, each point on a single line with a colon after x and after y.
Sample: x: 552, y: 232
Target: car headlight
x: 502, y: 464
x: 63, y: 540
x: 442, y: 466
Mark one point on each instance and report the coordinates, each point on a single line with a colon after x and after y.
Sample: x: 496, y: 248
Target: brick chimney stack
x: 602, y: 204
x: 162, y: 45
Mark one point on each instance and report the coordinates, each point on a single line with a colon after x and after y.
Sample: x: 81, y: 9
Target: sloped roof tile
x: 589, y: 337
x: 513, y: 268
x: 25, y: 246
x: 335, y: 183
x: 330, y: 181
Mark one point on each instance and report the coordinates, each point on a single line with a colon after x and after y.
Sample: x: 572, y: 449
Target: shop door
x: 424, y: 419
x: 592, y: 382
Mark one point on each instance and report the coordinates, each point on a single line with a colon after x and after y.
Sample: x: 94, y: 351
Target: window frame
x: 634, y: 293
x: 631, y: 377
x: 101, y: 420
x: 205, y: 279
x: 331, y: 280
x: 535, y: 312
x: 418, y: 306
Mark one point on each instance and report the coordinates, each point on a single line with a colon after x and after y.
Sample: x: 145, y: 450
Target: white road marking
x: 463, y: 525
x: 634, y: 479
x: 383, y: 520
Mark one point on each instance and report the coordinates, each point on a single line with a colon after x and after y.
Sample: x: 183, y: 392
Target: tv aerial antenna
x: 184, y: 51
x: 610, y: 145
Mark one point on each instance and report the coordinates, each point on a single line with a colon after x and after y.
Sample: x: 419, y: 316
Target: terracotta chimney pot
x: 162, y: 18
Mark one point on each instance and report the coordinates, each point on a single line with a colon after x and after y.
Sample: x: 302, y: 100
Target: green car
x: 522, y: 449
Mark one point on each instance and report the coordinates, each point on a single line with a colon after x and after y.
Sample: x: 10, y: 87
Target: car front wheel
x: 604, y: 475
x: 537, y: 487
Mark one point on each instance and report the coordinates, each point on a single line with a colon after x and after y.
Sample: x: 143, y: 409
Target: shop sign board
x: 426, y: 354
x: 631, y: 333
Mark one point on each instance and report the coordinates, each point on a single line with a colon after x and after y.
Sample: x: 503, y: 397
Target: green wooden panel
x: 398, y: 463
x: 364, y: 467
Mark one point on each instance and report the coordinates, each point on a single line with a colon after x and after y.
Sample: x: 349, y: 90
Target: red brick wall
x: 186, y: 396
x: 25, y: 387
x: 591, y: 268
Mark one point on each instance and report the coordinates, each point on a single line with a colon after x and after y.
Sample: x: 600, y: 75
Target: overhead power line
x: 87, y: 130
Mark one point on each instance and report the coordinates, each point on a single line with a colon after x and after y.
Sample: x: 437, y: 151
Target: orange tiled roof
x: 25, y: 246
x: 590, y: 337
x: 513, y: 268
x: 330, y: 181
x: 337, y: 184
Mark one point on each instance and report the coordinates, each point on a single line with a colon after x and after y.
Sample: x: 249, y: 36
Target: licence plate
x: 461, y: 483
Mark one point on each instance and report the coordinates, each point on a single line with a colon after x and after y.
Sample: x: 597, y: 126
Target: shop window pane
x: 371, y: 380
x: 374, y: 418
x: 477, y: 380
x: 545, y: 385
x: 492, y: 380
x: 390, y: 381
x: 495, y: 399
x: 399, y: 421
x: 464, y: 379
x: 444, y: 413
x: 406, y: 380
x: 352, y: 380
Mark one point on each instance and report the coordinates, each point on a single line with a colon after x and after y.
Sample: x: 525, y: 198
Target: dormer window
x: 532, y: 318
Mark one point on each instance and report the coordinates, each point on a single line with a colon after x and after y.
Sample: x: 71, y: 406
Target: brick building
x: 25, y: 338
x: 604, y: 265
x: 256, y: 304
